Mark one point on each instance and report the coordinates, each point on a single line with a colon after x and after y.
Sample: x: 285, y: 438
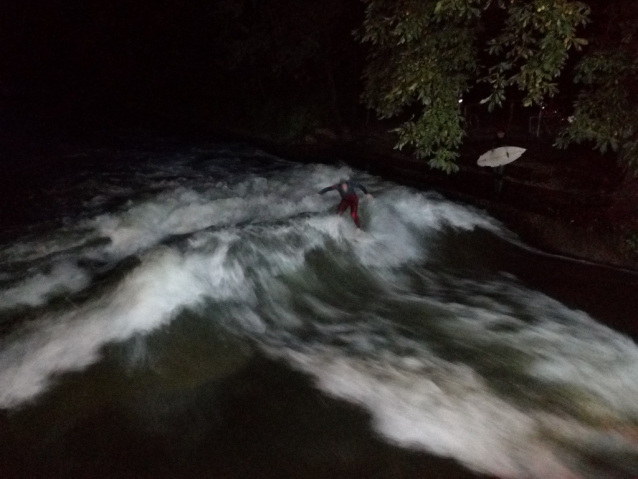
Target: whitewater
x: 177, y: 268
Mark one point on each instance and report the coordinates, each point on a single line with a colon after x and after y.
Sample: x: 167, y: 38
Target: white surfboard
x: 500, y: 156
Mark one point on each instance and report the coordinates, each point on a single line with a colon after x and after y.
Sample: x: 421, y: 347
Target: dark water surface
x: 199, y: 312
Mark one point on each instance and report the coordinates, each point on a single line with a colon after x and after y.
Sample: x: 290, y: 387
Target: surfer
x: 349, y: 198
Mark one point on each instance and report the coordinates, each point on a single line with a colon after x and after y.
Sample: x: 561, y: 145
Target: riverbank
x: 572, y: 202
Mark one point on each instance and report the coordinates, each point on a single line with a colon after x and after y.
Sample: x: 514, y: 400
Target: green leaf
x: 424, y: 56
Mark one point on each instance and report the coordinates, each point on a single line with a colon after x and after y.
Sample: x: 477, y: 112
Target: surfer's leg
x: 342, y: 206
x: 354, y: 206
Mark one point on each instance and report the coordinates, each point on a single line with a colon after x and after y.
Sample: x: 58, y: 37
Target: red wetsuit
x: 351, y: 200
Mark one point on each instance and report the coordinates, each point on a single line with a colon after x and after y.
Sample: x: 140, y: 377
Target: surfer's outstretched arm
x: 328, y: 188
x: 362, y: 188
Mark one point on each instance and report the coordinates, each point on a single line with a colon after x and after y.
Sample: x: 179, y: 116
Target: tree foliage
x: 286, y: 54
x: 425, y: 54
x: 274, y: 38
x: 606, y: 110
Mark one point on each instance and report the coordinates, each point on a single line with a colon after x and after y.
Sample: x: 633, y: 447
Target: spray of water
x: 502, y: 378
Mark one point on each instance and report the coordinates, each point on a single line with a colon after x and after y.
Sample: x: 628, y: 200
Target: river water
x: 200, y: 311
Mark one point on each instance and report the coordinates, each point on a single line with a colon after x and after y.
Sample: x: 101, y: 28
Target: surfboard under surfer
x: 349, y: 198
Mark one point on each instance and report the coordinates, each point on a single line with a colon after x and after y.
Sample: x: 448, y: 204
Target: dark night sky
x: 137, y: 61
x: 121, y: 60
x: 61, y: 40
x: 116, y: 55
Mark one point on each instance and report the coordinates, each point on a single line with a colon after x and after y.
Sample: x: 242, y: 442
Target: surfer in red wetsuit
x: 348, y: 197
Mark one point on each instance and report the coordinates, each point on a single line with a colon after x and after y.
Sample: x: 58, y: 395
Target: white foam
x: 150, y: 296
x: 34, y: 249
x: 448, y: 412
x: 422, y: 401
x: 183, y: 212
x: 245, y: 237
x: 429, y: 210
x: 565, y: 347
x: 64, y: 278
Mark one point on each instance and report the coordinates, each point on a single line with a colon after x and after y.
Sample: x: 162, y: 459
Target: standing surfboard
x: 500, y: 156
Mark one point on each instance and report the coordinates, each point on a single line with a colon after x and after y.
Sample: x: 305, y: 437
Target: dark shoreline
x: 576, y: 202
x: 572, y: 203
x: 549, y: 200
